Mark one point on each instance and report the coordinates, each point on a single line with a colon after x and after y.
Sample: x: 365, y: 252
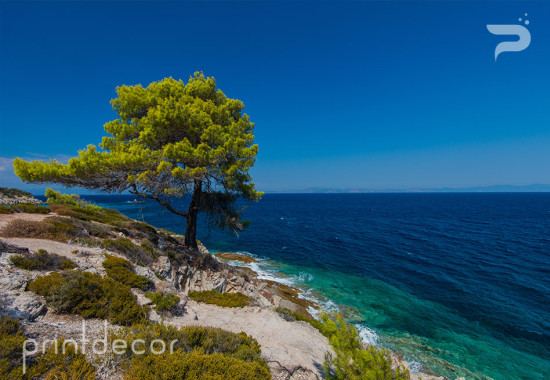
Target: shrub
x: 149, y: 247
x: 220, y: 299
x: 121, y: 270
x: 11, y: 348
x: 65, y: 364
x: 163, y: 301
x: 194, y: 366
x: 128, y: 249
x: 73, y: 206
x: 31, y: 229
x: 56, y: 228
x: 89, y: 295
x: 292, y: 316
x: 29, y: 208
x: 42, y: 260
x: 353, y: 360
x: 206, y: 340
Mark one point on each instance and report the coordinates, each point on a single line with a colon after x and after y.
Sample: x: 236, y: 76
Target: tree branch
x: 160, y: 201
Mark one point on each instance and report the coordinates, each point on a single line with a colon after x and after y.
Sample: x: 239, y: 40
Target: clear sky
x: 363, y: 94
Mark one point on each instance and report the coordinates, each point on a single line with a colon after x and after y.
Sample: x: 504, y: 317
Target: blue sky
x: 372, y: 95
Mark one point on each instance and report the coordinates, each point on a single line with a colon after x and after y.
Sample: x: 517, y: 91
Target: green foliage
x: 163, y: 301
x: 65, y: 364
x: 121, y: 270
x: 73, y: 206
x: 194, y: 366
x: 205, y: 340
x: 132, y: 251
x: 291, y: 316
x: 49, y: 365
x: 220, y: 299
x: 42, y: 260
x: 354, y: 360
x: 150, y: 248
x: 11, y: 348
x: 13, y: 192
x: 170, y: 140
x: 29, y: 208
x: 89, y: 295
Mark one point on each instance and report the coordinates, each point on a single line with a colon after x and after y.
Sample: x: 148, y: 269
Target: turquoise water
x: 457, y: 283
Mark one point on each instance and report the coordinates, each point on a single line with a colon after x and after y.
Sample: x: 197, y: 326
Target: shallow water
x: 458, y: 283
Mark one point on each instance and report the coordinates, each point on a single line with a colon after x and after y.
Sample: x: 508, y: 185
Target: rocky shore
x: 293, y: 349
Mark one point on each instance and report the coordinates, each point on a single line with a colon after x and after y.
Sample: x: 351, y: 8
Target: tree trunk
x: 191, y: 229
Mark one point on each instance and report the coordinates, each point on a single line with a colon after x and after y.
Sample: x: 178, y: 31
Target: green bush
x: 65, y: 364
x: 29, y: 208
x: 291, y: 316
x: 121, y: 270
x: 149, y: 247
x: 163, y: 301
x: 205, y: 340
x: 89, y: 295
x: 42, y: 260
x: 220, y: 299
x: 194, y: 366
x: 49, y: 365
x: 11, y: 348
x: 353, y: 359
x: 128, y: 249
x: 73, y: 206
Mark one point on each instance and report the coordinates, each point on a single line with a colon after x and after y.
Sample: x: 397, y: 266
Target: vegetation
x: 199, y: 353
x: 29, y: 208
x: 49, y: 365
x: 89, y: 295
x: 58, y: 229
x: 194, y: 366
x: 292, y: 316
x: 171, y: 140
x: 42, y: 260
x: 70, y: 364
x: 163, y: 301
x: 73, y: 206
x: 132, y: 251
x: 353, y: 360
x: 11, y: 348
x: 121, y: 270
x: 220, y: 299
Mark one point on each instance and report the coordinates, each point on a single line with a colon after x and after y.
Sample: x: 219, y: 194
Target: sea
x: 458, y: 283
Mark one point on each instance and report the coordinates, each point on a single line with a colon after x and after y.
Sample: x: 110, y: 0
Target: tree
x: 187, y: 146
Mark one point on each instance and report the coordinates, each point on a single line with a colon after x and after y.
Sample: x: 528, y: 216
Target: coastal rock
x: 164, y: 267
x: 145, y: 272
x: 19, y: 305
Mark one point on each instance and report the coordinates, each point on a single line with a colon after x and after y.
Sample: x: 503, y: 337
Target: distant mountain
x: 534, y: 188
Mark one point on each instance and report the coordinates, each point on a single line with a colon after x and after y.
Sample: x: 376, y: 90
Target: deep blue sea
x: 458, y: 283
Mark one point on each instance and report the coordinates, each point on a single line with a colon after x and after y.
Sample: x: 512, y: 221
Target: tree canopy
x: 172, y: 140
